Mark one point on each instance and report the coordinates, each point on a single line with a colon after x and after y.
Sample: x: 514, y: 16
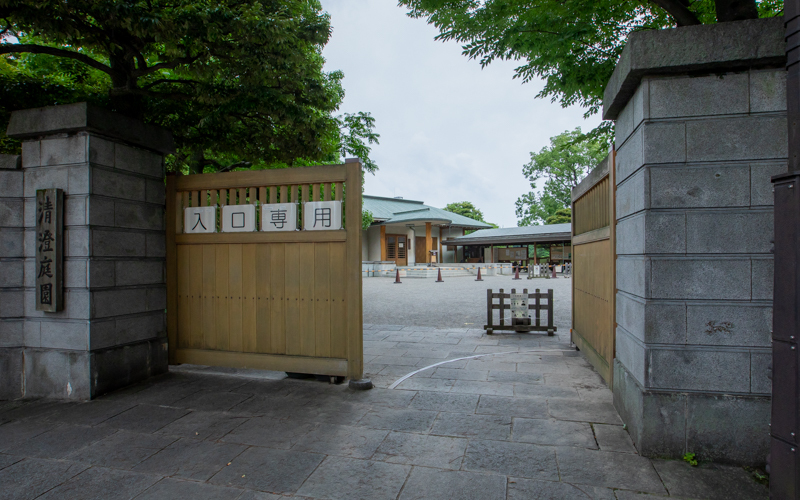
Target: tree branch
x: 18, y: 48
x: 175, y: 96
x: 679, y: 12
x: 167, y: 80
x: 164, y: 65
x: 545, y: 32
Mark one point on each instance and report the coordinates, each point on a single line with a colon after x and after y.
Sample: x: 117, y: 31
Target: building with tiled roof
x: 408, y: 231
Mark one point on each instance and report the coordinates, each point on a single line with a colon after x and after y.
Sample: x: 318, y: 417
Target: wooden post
x: 174, y: 224
x: 355, y: 325
x: 535, y: 259
x: 502, y: 308
x: 428, y: 242
x: 489, y: 314
x: 383, y: 242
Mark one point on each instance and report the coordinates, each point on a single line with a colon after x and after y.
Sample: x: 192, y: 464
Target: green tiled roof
x: 400, y: 211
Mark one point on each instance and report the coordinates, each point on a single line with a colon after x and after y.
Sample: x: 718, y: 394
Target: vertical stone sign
x: 49, y: 249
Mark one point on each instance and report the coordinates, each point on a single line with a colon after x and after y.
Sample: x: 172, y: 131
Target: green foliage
x: 572, y: 45
x: 561, y: 216
x: 366, y: 219
x: 240, y: 84
x: 758, y: 475
x: 570, y: 156
x: 690, y: 459
x: 466, y: 209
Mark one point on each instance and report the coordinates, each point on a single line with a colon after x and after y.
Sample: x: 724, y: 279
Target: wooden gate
x: 286, y: 301
x: 593, y: 271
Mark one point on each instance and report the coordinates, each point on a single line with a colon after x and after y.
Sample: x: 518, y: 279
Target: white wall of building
x: 371, y: 240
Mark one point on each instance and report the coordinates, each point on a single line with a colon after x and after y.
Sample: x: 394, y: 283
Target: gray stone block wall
x: 12, y: 264
x: 112, y: 329
x: 695, y: 153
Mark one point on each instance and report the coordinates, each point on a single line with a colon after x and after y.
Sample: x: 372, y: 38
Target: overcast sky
x: 450, y: 131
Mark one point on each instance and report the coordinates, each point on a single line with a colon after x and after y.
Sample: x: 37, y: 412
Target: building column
x: 111, y: 331
x: 428, y: 242
x: 383, y: 243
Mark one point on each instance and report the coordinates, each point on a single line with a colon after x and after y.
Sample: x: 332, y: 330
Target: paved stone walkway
x: 521, y: 417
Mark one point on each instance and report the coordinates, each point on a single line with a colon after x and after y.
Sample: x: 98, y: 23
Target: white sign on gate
x: 200, y: 220
x: 519, y: 305
x: 279, y: 217
x: 322, y: 215
x: 238, y: 218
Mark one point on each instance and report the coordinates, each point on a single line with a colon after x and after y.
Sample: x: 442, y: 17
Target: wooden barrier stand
x: 517, y: 303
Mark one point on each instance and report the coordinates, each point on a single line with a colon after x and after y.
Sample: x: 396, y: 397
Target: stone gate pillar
x: 111, y: 331
x: 700, y: 115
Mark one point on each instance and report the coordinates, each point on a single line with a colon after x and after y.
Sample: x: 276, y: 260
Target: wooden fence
x: 593, y: 271
x: 286, y: 301
x: 537, y: 302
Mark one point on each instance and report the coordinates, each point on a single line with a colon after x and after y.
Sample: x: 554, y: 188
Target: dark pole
x: 784, y: 429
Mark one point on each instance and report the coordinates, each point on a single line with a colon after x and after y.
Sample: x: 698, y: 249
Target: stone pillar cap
x: 82, y: 116
x: 704, y: 48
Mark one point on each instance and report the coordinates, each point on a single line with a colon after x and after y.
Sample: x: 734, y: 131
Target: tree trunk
x: 735, y: 10
x: 122, y: 102
x: 679, y: 12
x: 197, y: 162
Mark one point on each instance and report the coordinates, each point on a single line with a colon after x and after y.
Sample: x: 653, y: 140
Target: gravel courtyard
x: 501, y: 417
x: 459, y: 302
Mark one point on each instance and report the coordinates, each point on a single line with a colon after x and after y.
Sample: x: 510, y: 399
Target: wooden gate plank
x: 235, y: 293
x: 209, y: 290
x: 338, y: 310
x: 196, y: 295
x: 322, y: 297
x: 355, y: 327
x: 249, y: 298
x: 277, y: 297
x: 307, y: 334
x: 292, y: 287
x: 184, y: 306
x: 300, y: 364
x: 263, y: 320
x: 223, y: 338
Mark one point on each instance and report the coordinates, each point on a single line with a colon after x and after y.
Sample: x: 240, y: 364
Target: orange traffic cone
x: 397, y: 278
x: 516, y: 274
x: 479, y: 275
x: 439, y: 279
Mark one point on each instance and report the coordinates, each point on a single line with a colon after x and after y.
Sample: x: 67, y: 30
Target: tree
x: 570, y: 156
x: 573, y: 45
x: 467, y: 209
x: 561, y: 216
x: 240, y: 84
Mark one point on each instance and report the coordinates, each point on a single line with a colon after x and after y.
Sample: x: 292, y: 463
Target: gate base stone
x: 700, y: 126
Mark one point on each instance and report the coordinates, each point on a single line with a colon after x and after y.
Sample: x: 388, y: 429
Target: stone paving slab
x: 348, y: 479
x: 122, y: 450
x: 436, y: 484
x: 513, y: 424
x: 98, y: 483
x: 176, y: 489
x: 429, y: 451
